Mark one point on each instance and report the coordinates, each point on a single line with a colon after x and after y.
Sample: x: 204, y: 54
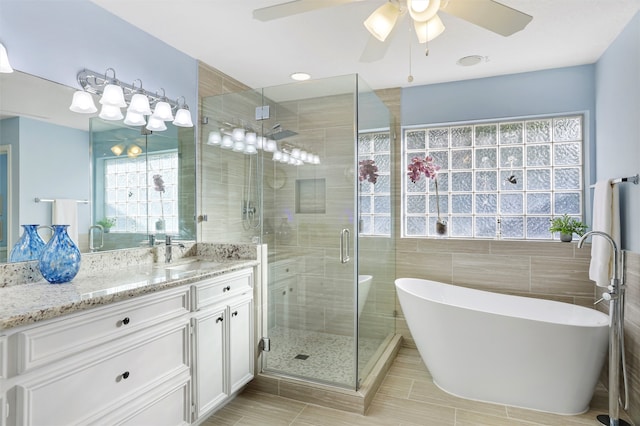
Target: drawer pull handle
x: 234, y: 314
x: 125, y: 375
x: 227, y: 288
x: 219, y: 319
x: 126, y: 320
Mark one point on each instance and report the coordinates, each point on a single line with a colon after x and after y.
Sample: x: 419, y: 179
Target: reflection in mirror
x: 142, y: 185
x: 45, y: 153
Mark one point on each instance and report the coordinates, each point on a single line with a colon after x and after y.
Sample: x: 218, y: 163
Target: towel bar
x: 48, y: 200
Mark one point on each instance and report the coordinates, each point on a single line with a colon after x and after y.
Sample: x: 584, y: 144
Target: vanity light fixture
x: 134, y: 119
x: 183, y: 116
x: 133, y: 151
x: 156, y: 124
x: 5, y: 66
x: 215, y: 138
x: 117, y: 149
x: 114, y: 94
x: 83, y: 103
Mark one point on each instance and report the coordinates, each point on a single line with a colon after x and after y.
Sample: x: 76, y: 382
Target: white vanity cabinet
x: 89, y: 366
x: 222, y: 339
x: 168, y: 358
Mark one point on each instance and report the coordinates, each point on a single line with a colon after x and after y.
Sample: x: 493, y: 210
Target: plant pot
x: 566, y: 238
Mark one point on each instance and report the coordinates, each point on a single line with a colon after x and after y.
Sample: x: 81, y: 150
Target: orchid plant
x: 368, y: 171
x: 429, y: 169
x: 158, y: 185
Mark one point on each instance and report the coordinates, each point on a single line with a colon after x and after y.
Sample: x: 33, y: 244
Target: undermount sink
x: 186, y: 268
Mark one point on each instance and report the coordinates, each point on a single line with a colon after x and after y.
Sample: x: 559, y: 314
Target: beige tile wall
x: 632, y: 333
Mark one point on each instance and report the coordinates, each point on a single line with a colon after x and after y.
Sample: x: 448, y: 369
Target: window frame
x: 428, y: 191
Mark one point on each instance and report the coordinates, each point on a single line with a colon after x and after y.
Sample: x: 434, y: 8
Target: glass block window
x: 131, y: 196
x: 374, y: 204
x: 497, y: 180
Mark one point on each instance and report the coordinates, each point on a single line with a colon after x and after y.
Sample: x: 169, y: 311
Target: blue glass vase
x: 28, y: 247
x: 60, y: 259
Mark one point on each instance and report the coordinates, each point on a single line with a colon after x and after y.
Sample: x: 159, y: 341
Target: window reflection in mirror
x: 140, y: 181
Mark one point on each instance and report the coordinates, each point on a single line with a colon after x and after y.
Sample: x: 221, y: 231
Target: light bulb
x: 156, y: 125
x: 134, y: 119
x: 110, y: 112
x: 139, y: 104
x: 113, y: 96
x: 214, y: 138
x: 183, y: 118
x: 162, y: 111
x: 82, y: 102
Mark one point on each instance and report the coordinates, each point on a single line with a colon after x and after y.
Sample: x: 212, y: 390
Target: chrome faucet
x: 167, y: 249
x: 168, y: 246
x: 615, y: 296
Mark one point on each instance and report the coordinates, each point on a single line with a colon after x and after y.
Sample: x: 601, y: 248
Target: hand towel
x: 606, y: 218
x: 65, y: 212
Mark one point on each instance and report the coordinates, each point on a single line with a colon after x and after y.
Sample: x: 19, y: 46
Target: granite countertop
x: 32, y: 302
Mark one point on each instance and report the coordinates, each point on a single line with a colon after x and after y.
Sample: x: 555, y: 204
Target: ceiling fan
x: 488, y: 14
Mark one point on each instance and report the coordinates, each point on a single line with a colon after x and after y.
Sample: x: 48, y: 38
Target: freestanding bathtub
x: 511, y: 350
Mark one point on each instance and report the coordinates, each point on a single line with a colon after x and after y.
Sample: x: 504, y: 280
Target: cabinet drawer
x: 167, y: 405
x: 67, y: 336
x: 218, y: 289
x: 137, y: 366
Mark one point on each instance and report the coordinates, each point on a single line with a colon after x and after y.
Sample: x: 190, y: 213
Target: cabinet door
x: 209, y: 371
x: 241, y: 359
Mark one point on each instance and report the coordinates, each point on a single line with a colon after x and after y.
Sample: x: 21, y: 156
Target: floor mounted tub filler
x: 518, y: 351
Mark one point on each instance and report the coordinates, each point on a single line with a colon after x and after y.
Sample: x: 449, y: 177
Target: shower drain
x: 301, y: 356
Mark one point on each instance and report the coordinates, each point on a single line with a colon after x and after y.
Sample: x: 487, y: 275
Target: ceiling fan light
x: 427, y: 31
x: 423, y: 10
x: 382, y: 20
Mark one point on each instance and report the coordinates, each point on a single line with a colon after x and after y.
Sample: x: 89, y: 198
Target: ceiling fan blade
x: 490, y: 15
x: 375, y: 50
x: 294, y: 7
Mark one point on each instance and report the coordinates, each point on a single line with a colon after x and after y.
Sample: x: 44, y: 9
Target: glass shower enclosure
x: 319, y: 194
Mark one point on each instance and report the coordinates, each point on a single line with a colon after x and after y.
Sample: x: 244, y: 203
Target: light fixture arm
x: 94, y: 82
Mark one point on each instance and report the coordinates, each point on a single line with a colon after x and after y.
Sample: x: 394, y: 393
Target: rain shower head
x: 280, y: 133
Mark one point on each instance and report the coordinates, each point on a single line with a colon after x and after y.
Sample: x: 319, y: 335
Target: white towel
x: 606, y: 218
x: 65, y: 212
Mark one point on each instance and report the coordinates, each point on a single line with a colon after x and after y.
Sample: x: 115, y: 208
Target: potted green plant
x: 107, y: 223
x: 567, y: 226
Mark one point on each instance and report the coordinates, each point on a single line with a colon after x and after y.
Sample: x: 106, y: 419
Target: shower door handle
x: 345, y: 236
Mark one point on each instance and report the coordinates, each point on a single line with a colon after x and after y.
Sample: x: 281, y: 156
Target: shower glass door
x: 310, y: 226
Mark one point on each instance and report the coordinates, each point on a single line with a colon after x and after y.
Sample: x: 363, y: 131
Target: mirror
x: 49, y: 152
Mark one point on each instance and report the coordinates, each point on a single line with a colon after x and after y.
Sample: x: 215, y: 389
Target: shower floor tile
x: 320, y: 356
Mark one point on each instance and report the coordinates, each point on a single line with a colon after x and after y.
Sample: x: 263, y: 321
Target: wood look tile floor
x: 407, y: 397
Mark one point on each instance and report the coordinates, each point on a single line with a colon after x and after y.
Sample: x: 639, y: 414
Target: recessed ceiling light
x: 469, y: 61
x: 300, y: 76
